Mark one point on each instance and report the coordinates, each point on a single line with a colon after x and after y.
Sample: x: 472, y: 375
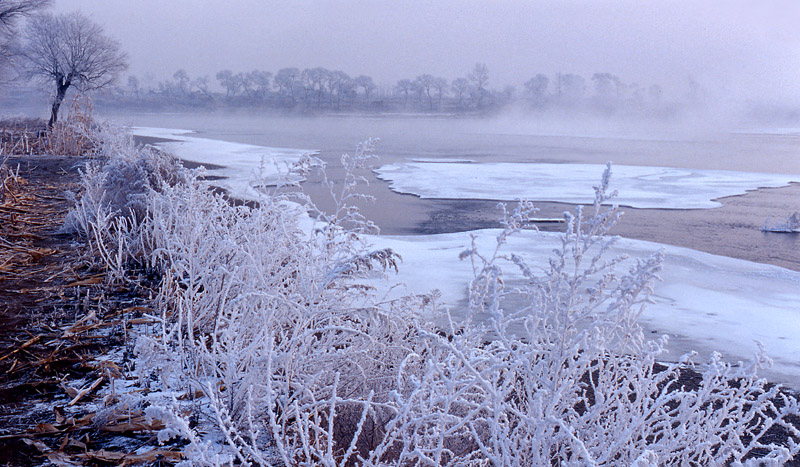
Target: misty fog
x: 682, y: 84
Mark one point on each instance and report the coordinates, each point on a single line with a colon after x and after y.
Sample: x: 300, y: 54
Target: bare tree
x: 70, y: 50
x: 201, y: 84
x: 261, y: 81
x: 287, y: 81
x: 404, y: 86
x: 182, y: 78
x: 536, y: 89
x: 226, y: 79
x: 480, y: 78
x: 459, y: 87
x: 365, y: 82
x: 440, y: 84
x: 133, y: 85
x: 425, y: 83
x: 10, y: 12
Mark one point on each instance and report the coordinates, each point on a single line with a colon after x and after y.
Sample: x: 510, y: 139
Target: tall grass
x: 271, y: 351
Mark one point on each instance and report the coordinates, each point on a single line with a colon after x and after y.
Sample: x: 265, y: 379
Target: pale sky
x: 740, y: 47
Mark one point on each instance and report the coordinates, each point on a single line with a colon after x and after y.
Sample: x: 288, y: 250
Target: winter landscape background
x: 462, y: 288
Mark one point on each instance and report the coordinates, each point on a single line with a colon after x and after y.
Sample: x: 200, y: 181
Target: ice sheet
x: 241, y: 163
x: 639, y: 187
x: 704, y: 302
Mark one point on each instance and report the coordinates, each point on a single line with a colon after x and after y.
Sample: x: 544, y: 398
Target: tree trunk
x: 61, y: 91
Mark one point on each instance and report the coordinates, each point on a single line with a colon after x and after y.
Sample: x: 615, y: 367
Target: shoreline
x: 740, y: 217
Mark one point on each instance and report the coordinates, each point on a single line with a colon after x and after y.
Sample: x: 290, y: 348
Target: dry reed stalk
x: 71, y: 136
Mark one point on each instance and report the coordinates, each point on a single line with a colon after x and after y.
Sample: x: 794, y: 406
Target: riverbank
x: 65, y: 333
x: 262, y: 264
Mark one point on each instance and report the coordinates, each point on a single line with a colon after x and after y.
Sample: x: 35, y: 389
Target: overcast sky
x: 738, y: 46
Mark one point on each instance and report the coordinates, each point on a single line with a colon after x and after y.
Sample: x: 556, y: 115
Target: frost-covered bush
x: 569, y: 379
x: 268, y: 321
x: 281, y: 354
x: 113, y: 200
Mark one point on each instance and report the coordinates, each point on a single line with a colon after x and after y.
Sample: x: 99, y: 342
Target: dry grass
x: 68, y: 137
x: 71, y: 135
x: 22, y: 136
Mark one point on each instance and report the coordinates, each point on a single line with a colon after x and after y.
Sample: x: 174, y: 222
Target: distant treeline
x: 322, y: 90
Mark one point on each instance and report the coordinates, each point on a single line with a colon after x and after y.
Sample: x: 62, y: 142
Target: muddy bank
x: 58, y: 317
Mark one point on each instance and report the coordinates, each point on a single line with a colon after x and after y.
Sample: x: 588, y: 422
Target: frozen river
x: 704, y: 303
x: 731, y: 229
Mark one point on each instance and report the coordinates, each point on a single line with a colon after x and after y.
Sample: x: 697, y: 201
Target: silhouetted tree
x: 70, y: 50
x: 287, y: 81
x: 366, y: 83
x: 460, y: 87
x: 425, y: 83
x: 201, y: 84
x: 480, y: 79
x: 133, y: 85
x: 536, y: 88
x: 404, y: 86
x: 440, y: 84
x: 340, y: 85
x: 607, y: 86
x: 226, y: 80
x: 260, y: 81
x: 182, y: 80
x: 570, y: 86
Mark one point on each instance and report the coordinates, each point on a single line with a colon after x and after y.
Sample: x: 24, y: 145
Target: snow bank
x: 704, y: 302
x: 638, y: 187
x: 241, y: 163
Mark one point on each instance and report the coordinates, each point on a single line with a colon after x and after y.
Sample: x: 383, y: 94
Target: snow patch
x: 704, y: 302
x: 242, y: 169
x: 638, y: 187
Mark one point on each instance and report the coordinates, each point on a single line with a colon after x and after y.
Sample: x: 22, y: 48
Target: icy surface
x: 704, y: 302
x: 241, y: 163
x: 639, y: 187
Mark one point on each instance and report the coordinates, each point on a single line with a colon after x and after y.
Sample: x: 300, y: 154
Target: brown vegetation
x: 56, y: 318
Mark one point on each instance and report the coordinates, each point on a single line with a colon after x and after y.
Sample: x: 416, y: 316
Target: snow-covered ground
x: 704, y: 302
x: 242, y: 163
x: 638, y: 186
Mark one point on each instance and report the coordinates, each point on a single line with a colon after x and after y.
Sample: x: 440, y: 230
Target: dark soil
x: 46, y: 286
x: 37, y: 263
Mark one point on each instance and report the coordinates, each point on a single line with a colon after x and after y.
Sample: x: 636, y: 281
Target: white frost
x: 638, y: 187
x: 241, y: 162
x: 704, y: 302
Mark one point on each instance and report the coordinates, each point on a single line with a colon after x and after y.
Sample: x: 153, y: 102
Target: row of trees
x: 72, y: 51
x: 607, y: 88
x: 314, y: 89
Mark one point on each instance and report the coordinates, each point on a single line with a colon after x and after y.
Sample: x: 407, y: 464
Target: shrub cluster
x: 285, y: 357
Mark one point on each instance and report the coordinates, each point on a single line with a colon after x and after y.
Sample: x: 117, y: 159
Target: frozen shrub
x: 113, y: 198
x: 570, y: 380
x: 299, y: 363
